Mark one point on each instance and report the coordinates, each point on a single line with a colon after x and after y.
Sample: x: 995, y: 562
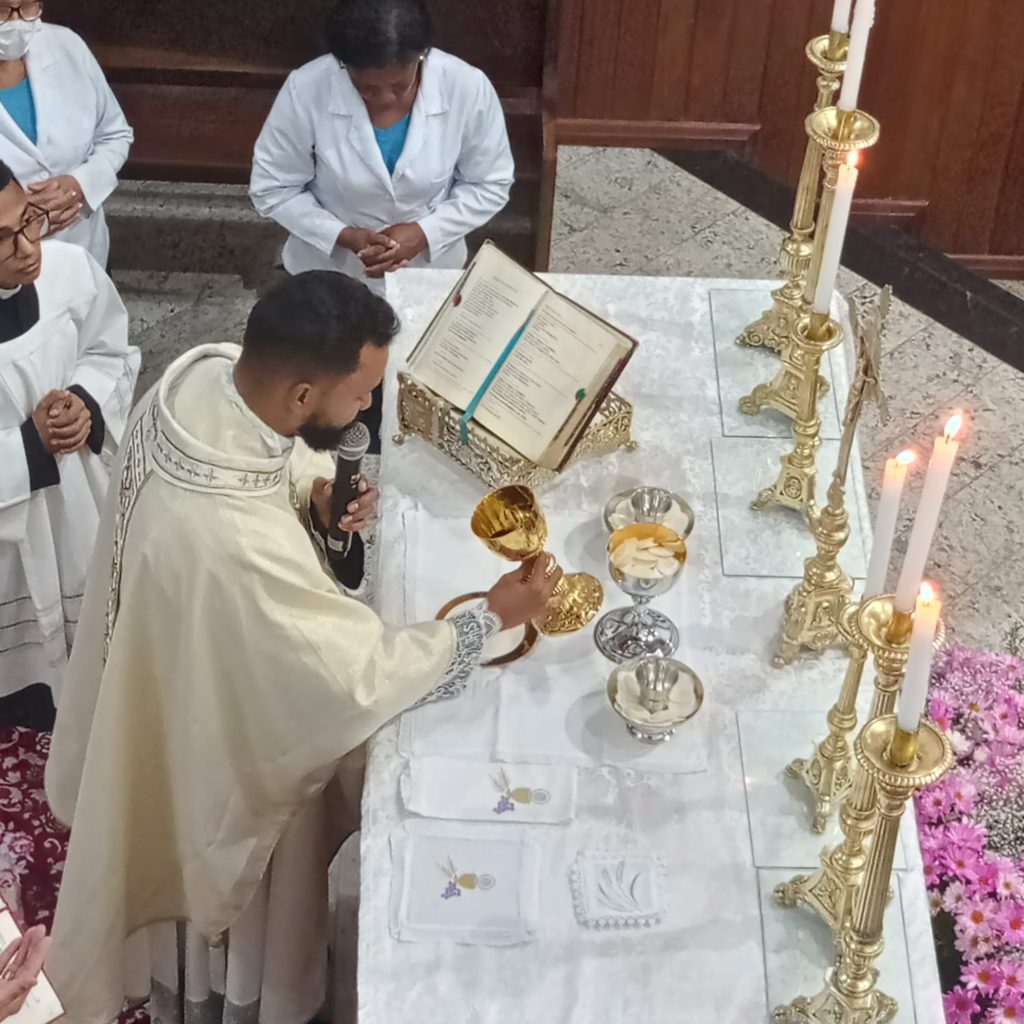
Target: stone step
x: 153, y: 295
x: 213, y: 229
x: 210, y: 320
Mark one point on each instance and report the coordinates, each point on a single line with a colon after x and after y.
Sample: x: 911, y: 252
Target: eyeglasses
x: 30, y: 11
x: 36, y: 225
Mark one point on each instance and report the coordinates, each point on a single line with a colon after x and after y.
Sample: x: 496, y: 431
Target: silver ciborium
x: 649, y: 505
x: 654, y: 696
x: 645, y: 560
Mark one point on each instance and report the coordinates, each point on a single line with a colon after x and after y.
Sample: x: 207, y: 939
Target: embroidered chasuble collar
x: 193, y: 464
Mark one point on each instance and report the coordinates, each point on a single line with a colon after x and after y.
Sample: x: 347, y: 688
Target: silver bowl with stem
x: 639, y: 630
x: 649, y: 505
x: 654, y: 696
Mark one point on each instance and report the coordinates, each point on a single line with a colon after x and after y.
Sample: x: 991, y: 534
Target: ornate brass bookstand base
x: 897, y: 764
x: 425, y: 414
x: 773, y: 329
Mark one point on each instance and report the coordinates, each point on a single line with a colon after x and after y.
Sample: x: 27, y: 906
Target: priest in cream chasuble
x: 67, y: 374
x: 220, y: 676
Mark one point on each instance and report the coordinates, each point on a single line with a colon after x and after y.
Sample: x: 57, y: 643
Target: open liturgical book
x: 42, y: 1005
x: 523, y: 361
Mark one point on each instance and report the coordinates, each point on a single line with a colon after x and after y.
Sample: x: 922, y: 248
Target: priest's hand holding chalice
x: 512, y: 525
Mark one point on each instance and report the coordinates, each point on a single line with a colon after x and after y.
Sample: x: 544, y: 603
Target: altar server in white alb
x: 62, y: 131
x: 67, y: 374
x: 221, y: 678
x: 384, y: 153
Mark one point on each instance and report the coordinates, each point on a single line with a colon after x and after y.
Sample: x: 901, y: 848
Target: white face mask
x: 15, y: 36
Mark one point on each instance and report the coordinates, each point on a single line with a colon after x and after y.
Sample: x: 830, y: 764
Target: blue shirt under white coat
x: 317, y: 167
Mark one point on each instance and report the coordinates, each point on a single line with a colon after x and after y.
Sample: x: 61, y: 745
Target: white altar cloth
x: 714, y: 956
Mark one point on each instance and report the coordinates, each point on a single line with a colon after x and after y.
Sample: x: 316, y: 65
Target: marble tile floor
x: 629, y: 211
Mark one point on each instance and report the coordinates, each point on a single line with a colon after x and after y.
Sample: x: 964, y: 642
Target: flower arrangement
x: 971, y: 826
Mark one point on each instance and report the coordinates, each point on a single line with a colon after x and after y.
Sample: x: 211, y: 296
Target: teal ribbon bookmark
x: 489, y: 380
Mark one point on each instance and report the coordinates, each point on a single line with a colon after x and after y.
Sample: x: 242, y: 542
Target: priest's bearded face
x: 20, y: 238
x: 332, y: 403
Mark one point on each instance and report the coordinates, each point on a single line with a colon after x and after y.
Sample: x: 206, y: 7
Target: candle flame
x: 928, y: 592
x: 852, y: 158
x: 953, y: 425
x: 906, y: 457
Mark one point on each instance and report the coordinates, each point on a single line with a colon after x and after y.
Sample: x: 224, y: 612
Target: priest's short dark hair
x: 6, y: 175
x: 316, y: 324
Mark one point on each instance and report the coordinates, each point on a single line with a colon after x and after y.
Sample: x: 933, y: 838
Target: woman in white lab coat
x: 383, y: 154
x: 62, y: 131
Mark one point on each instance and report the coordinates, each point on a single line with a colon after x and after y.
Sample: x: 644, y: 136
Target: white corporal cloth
x: 705, y: 959
x: 458, y: 886
x: 449, y: 787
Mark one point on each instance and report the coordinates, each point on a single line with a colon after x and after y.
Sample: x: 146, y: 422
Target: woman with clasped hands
x: 383, y: 154
x: 62, y: 131
x: 20, y: 964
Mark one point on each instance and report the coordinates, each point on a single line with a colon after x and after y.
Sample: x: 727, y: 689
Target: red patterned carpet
x: 33, y: 844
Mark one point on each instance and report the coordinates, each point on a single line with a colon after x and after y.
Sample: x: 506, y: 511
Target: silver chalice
x: 645, y: 560
x: 654, y: 696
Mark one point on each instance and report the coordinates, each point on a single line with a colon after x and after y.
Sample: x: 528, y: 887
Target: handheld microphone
x: 354, y: 443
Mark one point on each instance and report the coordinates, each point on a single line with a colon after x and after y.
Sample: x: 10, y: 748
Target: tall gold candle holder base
x: 898, y: 765
x: 827, y: 773
x: 774, y: 327
x: 834, y: 134
x: 795, y: 486
x: 829, y: 892
x: 815, y: 605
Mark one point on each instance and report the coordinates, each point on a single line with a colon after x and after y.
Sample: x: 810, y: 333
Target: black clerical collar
x: 19, y: 312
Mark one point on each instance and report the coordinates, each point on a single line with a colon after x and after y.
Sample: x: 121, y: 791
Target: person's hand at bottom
x: 20, y: 964
x: 523, y: 595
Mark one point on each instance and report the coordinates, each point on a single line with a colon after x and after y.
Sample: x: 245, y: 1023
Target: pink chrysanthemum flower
x: 983, y: 976
x: 960, y: 1005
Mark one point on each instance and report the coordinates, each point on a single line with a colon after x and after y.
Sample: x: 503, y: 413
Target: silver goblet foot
x: 628, y: 633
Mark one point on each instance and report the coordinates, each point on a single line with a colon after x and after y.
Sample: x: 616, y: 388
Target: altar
x: 709, y: 819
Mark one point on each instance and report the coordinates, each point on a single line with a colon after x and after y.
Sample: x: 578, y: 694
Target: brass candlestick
x: 885, y: 633
x: 815, y: 605
x: 827, y: 772
x: 773, y: 329
x: 837, y: 133
x: 794, y: 488
x: 898, y: 765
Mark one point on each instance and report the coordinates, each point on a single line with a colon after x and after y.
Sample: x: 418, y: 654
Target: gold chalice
x: 510, y: 522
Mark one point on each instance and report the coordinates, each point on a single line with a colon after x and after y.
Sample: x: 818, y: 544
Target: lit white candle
x: 863, y: 19
x: 914, y: 693
x: 829, y: 267
x: 939, y: 469
x: 841, y: 16
x: 885, y: 523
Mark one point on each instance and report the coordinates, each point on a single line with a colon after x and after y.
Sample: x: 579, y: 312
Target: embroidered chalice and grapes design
x: 511, y: 796
x: 459, y: 882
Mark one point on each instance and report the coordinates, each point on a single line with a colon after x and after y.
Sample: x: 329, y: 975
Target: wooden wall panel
x: 677, y: 24
x: 944, y: 77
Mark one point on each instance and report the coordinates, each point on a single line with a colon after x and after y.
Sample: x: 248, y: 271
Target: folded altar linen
x: 618, y: 888
x: 443, y: 787
x: 450, y: 885
x: 560, y: 714
x: 461, y: 728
